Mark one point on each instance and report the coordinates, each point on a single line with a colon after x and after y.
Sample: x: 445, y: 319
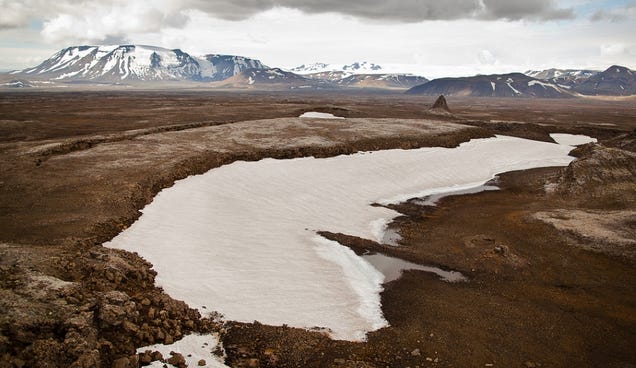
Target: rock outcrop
x: 601, y: 175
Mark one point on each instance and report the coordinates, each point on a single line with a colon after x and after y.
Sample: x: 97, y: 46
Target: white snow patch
x: 250, y: 80
x: 319, y: 115
x: 364, y: 280
x: 542, y: 84
x: 196, y: 346
x: 241, y: 238
x: 508, y: 82
x: 68, y: 75
x: 493, y: 85
x: 572, y: 139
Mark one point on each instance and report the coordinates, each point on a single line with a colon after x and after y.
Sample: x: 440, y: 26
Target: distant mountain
x: 17, y: 83
x: 272, y: 78
x: 403, y: 81
x: 332, y: 76
x: 311, y: 68
x: 562, y: 77
x: 220, y: 67
x: 364, y: 67
x: 131, y: 63
x: 498, y: 85
x: 615, y: 81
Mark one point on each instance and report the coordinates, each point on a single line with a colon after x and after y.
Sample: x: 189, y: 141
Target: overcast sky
x: 430, y: 37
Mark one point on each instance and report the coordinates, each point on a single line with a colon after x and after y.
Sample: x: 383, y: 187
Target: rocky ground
x: 550, y: 257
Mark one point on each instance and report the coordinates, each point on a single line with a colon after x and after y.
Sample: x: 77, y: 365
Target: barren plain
x: 549, y: 257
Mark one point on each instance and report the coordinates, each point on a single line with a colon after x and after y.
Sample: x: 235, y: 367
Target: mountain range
x: 140, y: 65
x: 346, y: 70
x: 498, y: 85
x: 552, y: 83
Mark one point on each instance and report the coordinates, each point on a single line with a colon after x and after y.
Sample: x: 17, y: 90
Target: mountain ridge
x: 494, y: 85
x: 118, y: 63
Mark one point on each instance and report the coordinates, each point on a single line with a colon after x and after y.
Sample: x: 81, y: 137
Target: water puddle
x: 392, y: 268
x: 431, y: 200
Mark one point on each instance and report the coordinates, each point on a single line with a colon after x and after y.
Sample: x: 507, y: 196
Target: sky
x: 432, y: 38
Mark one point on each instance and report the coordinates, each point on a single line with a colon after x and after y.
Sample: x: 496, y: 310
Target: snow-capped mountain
x: 562, y: 77
x: 312, y: 68
x: 220, y: 67
x: 498, y: 85
x: 364, y: 67
x: 136, y: 63
x: 614, y: 81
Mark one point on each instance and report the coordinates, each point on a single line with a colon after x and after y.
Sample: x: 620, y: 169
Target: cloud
x: 395, y: 10
x: 14, y: 14
x: 392, y: 10
x: 151, y: 15
x: 485, y: 57
x: 616, y: 49
x: 615, y: 15
x: 110, y: 21
x: 533, y: 10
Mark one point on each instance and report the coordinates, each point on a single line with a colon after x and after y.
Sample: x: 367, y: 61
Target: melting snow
x: 319, y: 115
x: 571, y: 139
x: 508, y: 82
x: 241, y: 239
x: 193, y: 348
x: 493, y: 85
x: 542, y: 84
x: 392, y: 268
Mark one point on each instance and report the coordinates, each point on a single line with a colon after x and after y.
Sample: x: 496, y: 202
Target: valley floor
x: 550, y: 257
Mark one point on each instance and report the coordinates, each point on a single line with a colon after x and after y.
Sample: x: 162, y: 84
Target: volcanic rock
x: 440, y: 104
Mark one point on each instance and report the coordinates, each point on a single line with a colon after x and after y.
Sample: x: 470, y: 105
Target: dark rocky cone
x: 440, y: 104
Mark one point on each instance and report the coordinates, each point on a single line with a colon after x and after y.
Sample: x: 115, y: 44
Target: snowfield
x: 319, y: 115
x: 241, y: 239
x: 571, y: 139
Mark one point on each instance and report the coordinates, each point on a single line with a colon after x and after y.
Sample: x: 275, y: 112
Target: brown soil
x: 76, y: 169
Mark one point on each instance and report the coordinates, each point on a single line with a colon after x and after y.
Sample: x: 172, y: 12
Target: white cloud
x: 614, y: 50
x: 486, y: 57
x: 114, y: 21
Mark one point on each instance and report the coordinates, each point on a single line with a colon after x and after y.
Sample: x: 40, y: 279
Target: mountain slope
x: 498, y: 85
x: 403, y: 81
x: 130, y: 63
x: 219, y: 67
x: 272, y: 78
x: 614, y: 81
x: 562, y: 77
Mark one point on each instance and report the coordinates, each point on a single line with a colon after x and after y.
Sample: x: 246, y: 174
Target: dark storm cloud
x: 158, y: 14
x: 395, y: 10
x: 514, y: 10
